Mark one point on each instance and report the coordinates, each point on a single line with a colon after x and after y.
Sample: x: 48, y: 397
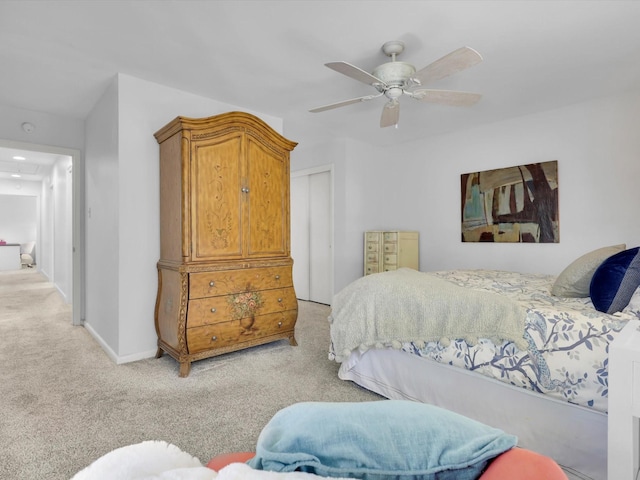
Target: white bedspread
x: 406, y: 305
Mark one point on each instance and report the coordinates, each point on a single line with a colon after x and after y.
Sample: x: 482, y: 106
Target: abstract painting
x: 515, y: 204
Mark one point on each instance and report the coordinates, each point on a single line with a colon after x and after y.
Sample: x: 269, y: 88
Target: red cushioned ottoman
x: 515, y: 464
x: 220, y: 461
x: 523, y: 464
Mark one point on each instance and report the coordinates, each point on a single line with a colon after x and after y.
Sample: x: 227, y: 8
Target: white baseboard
x: 115, y: 358
x: 134, y: 357
x: 62, y: 294
x: 56, y: 286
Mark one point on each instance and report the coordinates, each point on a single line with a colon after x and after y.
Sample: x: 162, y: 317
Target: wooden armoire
x: 225, y: 269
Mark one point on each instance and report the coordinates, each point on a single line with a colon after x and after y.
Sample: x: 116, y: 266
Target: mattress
x: 574, y: 436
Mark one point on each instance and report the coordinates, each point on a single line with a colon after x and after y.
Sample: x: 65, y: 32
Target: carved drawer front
x: 372, y: 237
x: 373, y: 247
x: 234, y: 332
x: 372, y: 257
x: 390, y: 259
x: 372, y: 268
x: 390, y: 237
x: 279, y: 300
x: 209, y: 284
x: 390, y: 247
x: 207, y: 311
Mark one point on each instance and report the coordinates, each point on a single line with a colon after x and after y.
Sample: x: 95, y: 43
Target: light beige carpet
x: 64, y: 403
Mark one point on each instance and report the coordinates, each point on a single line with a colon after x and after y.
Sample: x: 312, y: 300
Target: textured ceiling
x: 269, y: 56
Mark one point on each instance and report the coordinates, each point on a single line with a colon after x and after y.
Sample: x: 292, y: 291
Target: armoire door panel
x: 267, y: 198
x: 217, y: 173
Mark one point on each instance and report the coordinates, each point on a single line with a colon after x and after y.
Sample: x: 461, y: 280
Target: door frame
x: 325, y: 169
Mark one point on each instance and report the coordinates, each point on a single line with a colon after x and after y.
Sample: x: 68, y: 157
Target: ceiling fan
x: 394, y: 79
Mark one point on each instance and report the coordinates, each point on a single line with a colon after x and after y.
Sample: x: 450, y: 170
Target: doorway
x: 312, y: 233
x: 60, y: 230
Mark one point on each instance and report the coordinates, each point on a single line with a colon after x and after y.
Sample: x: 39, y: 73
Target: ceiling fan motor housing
x: 394, y: 74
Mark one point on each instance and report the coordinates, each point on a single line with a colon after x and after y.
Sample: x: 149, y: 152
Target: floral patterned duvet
x: 568, y: 340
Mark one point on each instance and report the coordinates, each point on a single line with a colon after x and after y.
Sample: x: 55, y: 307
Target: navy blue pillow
x: 615, y: 281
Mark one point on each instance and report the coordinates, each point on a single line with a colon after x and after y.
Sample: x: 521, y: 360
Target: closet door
x: 312, y: 236
x: 300, y: 235
x: 320, y: 238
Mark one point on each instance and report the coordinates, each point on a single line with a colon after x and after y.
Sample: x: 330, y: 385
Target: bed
x: 540, y: 373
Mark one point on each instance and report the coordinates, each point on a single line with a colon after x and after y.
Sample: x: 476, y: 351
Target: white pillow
x: 574, y: 281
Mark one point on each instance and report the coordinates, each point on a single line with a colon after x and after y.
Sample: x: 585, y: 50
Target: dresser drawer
x: 372, y: 268
x: 372, y: 257
x: 206, y: 311
x: 209, y: 284
x: 373, y: 247
x: 390, y: 237
x: 278, y: 300
x: 235, y: 332
x: 390, y: 260
x: 390, y: 247
x: 373, y: 237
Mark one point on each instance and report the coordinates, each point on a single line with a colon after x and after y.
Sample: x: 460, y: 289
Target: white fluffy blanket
x: 156, y: 460
x: 405, y: 305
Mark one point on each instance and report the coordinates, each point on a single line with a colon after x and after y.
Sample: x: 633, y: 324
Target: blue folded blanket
x: 380, y: 440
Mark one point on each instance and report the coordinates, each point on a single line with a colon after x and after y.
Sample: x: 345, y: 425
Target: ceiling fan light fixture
x: 394, y: 93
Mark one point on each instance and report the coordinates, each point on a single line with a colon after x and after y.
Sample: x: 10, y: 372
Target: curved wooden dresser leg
x: 292, y: 341
x: 185, y: 369
x: 159, y: 353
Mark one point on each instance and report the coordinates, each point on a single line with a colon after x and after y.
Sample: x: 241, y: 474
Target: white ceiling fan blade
x: 454, y: 62
x: 354, y: 72
x: 390, y: 114
x: 446, y: 97
x: 344, y: 103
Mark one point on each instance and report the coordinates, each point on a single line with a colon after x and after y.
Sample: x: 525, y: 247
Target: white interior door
x: 300, y: 235
x: 320, y: 238
x: 312, y: 234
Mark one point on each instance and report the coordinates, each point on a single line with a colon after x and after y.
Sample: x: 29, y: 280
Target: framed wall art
x: 515, y: 204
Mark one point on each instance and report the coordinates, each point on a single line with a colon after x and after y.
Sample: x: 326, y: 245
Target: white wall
x: 18, y: 218
x: 123, y: 243
x: 417, y: 186
x: 101, y: 220
x: 60, y: 219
